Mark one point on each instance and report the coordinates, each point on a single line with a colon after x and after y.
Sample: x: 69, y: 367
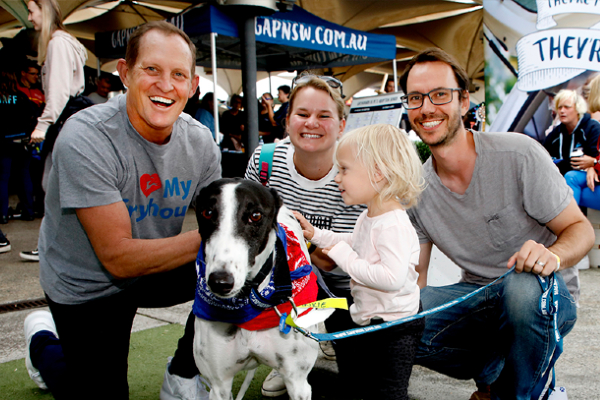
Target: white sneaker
x: 177, y: 388
x: 35, y: 322
x: 273, y: 385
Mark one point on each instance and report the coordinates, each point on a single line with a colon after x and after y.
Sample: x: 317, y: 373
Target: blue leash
x: 549, y: 302
x: 323, y: 337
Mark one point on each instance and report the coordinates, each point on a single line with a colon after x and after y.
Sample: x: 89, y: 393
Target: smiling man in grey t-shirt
x: 125, y: 172
x: 492, y: 200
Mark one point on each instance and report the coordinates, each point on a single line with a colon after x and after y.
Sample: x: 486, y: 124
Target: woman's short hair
x: 386, y: 149
x: 578, y: 101
x: 319, y: 84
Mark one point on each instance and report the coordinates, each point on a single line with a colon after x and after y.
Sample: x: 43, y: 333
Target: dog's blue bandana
x: 250, y: 302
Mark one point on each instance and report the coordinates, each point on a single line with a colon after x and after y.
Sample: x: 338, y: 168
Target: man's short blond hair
x: 578, y: 101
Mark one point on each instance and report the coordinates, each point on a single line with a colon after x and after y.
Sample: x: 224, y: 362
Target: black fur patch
x: 232, y: 330
x: 279, y: 358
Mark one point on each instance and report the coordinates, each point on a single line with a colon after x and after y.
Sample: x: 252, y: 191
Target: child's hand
x: 326, y: 250
x: 307, y: 229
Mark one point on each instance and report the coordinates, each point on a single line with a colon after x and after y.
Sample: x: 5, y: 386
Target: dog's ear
x: 277, y: 200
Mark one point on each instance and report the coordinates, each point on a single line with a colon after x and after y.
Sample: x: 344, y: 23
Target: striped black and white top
x: 319, y: 201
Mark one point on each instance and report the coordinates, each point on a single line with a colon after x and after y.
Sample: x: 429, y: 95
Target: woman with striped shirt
x: 303, y: 174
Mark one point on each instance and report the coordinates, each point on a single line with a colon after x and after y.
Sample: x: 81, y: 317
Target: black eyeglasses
x: 333, y: 83
x: 437, y: 96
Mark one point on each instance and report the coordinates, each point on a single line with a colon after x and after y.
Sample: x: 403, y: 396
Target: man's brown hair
x: 133, y: 45
x: 433, y: 54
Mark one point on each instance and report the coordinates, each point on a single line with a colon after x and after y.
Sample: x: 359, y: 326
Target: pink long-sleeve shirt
x: 380, y: 256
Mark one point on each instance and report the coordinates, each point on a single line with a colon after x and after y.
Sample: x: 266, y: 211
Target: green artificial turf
x: 147, y: 361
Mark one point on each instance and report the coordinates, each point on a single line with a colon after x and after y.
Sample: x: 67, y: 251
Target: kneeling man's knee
x: 520, y: 297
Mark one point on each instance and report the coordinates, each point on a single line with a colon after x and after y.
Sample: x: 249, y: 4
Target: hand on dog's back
x: 307, y: 229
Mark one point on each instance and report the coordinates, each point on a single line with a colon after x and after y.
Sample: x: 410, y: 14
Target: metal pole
x: 213, y: 55
x: 270, y: 88
x: 395, y: 76
x: 98, y: 67
x: 248, y: 42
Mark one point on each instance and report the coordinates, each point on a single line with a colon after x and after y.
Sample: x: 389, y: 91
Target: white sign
x: 549, y: 8
x: 548, y: 58
x: 383, y: 109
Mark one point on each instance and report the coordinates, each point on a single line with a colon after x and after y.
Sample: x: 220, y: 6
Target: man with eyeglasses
x: 27, y: 166
x: 492, y: 200
x: 28, y: 84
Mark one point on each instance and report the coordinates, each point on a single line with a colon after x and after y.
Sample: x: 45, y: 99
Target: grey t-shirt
x: 100, y: 159
x: 515, y: 190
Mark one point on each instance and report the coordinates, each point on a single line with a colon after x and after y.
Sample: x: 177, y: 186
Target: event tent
x: 290, y: 40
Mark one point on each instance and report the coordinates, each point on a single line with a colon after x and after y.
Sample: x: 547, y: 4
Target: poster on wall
x: 382, y: 109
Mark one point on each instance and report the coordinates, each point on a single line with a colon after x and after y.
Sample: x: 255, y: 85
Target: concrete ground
x: 578, y: 368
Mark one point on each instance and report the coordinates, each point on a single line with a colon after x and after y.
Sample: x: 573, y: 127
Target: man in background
x: 102, y: 90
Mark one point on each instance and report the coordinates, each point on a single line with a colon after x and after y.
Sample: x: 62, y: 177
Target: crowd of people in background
x: 304, y: 172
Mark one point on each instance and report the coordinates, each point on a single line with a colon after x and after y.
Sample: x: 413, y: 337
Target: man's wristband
x: 557, y: 261
x: 311, y: 247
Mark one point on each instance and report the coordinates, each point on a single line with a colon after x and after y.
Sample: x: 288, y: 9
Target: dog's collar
x: 251, y: 301
x: 280, y: 276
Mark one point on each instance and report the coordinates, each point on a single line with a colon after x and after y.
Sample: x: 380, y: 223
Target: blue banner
x: 299, y: 28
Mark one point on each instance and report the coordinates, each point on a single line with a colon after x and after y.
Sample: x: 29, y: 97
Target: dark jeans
x: 15, y: 160
x: 94, y: 338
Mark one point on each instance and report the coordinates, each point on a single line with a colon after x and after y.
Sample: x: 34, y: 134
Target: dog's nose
x: 221, y: 282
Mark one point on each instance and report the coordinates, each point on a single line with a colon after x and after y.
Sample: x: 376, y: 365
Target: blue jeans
x: 581, y: 192
x: 497, y: 337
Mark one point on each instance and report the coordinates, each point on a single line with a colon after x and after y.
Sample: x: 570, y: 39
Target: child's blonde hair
x: 386, y: 149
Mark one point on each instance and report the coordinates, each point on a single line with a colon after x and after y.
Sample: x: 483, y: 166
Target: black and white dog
x: 239, y: 268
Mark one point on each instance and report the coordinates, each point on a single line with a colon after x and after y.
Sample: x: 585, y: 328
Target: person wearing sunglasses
x: 303, y: 174
x: 492, y: 201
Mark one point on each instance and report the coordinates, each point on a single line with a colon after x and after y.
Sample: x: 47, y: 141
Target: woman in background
x: 62, y: 58
x: 573, y: 144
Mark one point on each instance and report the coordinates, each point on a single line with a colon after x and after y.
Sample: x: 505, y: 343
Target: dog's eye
x: 207, y: 214
x: 255, y: 217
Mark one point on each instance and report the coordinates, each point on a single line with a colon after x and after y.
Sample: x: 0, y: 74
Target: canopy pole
x: 98, y: 67
x: 270, y: 88
x: 395, y: 76
x: 213, y: 63
x: 248, y: 53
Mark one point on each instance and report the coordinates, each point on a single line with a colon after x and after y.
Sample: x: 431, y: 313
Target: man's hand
x: 535, y: 258
x: 582, y: 162
x: 575, y: 237
x: 37, y: 136
x: 591, y: 178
